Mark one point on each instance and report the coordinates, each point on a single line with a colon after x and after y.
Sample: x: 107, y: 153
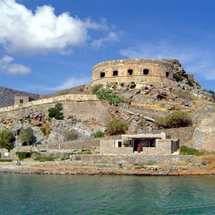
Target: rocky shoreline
x: 62, y: 168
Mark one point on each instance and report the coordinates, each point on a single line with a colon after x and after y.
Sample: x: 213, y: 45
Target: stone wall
x: 160, y: 72
x: 89, y: 144
x: 71, y: 97
x: 134, y: 159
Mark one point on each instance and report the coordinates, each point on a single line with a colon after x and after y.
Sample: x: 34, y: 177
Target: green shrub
x: 184, y: 150
x: 27, y: 136
x: 59, y: 106
x: 108, y: 95
x: 59, y: 116
x: 55, y: 112
x: 126, y: 143
x: 177, y: 77
x: 44, y: 159
x: 116, y: 126
x: 151, y: 163
x: 6, y: 160
x: 143, y: 123
x: 6, y: 139
x: 96, y: 88
x: 132, y: 84
x: 23, y: 155
x: 70, y: 135
x: 190, y: 83
x: 43, y: 130
x: 98, y: 134
x: 184, y: 95
x: 175, y: 120
x: 122, y: 84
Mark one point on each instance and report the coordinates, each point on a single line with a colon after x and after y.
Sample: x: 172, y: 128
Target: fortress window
x: 115, y: 73
x: 145, y: 71
x: 130, y: 72
x: 21, y: 101
x: 167, y: 74
x: 102, y: 74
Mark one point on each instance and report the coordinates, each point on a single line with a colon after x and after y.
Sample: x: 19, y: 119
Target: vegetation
x: 98, y: 134
x: 96, y: 88
x: 122, y: 84
x: 126, y: 143
x: 82, y: 153
x: 151, y: 163
x: 44, y: 159
x: 43, y: 130
x: 108, y: 95
x: 70, y: 135
x: 55, y: 112
x: 190, y: 83
x: 27, y: 136
x: 6, y: 139
x: 116, y: 126
x: 132, y: 84
x: 6, y: 160
x: 184, y: 95
x: 23, y: 155
x: 177, y: 77
x: 175, y: 120
x: 184, y: 150
x: 143, y: 123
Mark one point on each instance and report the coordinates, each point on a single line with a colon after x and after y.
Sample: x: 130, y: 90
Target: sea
x: 83, y: 194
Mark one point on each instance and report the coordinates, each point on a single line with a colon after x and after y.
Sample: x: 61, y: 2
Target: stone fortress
x: 152, y: 71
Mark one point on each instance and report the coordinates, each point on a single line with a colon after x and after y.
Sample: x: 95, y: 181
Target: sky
x: 51, y: 45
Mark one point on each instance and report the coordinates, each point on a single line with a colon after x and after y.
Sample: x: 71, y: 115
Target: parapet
x: 153, y: 71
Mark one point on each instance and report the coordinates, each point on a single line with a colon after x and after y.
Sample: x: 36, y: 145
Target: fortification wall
x: 158, y: 72
x: 64, y: 98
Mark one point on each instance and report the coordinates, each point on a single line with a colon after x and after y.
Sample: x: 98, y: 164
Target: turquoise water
x: 63, y: 195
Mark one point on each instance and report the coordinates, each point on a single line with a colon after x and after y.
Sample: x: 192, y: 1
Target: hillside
x: 141, y: 105
x: 7, y: 96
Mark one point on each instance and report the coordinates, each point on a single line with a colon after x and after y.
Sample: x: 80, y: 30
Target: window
x: 152, y: 143
x: 145, y: 71
x: 167, y: 74
x: 21, y: 101
x: 115, y: 73
x: 102, y: 74
x: 130, y: 72
x: 120, y: 144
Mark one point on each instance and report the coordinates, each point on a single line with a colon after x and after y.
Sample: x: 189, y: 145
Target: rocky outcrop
x: 203, y: 137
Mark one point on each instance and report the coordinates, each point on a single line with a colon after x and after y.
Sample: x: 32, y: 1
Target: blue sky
x: 49, y: 45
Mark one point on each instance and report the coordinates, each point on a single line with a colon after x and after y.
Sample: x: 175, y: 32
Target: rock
x: 187, y: 103
x: 149, y: 119
x: 203, y: 137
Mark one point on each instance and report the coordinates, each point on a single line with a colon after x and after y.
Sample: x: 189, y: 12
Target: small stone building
x: 19, y: 100
x: 150, y: 144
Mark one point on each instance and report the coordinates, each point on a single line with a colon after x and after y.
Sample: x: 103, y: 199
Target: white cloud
x: 70, y: 82
x: 193, y: 59
x: 110, y: 38
x: 8, y: 67
x: 27, y: 32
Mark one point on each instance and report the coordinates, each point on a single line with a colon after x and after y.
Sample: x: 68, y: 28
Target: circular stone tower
x: 139, y: 71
